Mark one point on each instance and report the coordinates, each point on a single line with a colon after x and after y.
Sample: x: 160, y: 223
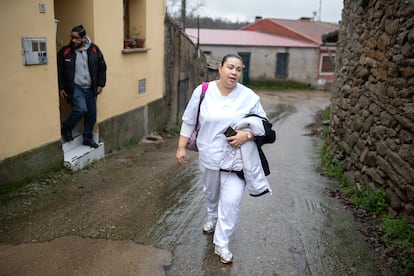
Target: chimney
x: 257, y: 18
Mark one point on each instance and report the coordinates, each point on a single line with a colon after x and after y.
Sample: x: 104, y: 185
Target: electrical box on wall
x: 34, y: 50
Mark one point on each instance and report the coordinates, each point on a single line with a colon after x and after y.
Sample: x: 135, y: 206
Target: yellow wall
x: 29, y: 114
x: 29, y: 103
x: 125, y: 70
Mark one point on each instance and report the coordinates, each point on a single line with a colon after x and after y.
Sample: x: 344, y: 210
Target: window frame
x: 332, y: 65
x: 134, y: 24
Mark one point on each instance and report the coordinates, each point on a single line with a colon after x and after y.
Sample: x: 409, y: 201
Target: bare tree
x: 195, y: 8
x: 173, y: 7
x: 180, y: 10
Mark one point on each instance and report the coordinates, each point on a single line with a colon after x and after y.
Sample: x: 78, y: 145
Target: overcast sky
x: 247, y: 10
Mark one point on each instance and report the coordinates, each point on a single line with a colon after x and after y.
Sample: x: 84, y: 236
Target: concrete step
x: 77, y: 156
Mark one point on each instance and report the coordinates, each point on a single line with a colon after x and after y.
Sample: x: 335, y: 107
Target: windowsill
x: 135, y: 50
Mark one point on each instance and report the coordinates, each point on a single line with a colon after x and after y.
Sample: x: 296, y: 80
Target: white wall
x: 303, y: 62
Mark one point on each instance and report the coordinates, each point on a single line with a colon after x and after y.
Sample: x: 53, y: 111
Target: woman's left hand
x: 239, y: 139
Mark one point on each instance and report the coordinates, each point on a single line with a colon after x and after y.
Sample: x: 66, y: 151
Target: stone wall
x: 372, y: 112
x: 185, y: 68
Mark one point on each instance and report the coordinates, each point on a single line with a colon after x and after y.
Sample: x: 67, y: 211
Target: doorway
x: 75, y: 154
x: 246, y: 61
x: 282, y: 60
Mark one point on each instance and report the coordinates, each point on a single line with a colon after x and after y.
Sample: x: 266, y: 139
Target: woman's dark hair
x: 80, y: 30
x: 231, y: 55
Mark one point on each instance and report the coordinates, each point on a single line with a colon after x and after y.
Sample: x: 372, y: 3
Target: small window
x: 142, y: 86
x: 327, y: 64
x: 134, y: 23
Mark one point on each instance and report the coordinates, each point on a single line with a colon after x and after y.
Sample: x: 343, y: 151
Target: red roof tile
x: 243, y: 38
x: 298, y: 29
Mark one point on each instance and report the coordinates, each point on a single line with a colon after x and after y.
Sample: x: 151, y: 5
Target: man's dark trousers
x: 83, y: 104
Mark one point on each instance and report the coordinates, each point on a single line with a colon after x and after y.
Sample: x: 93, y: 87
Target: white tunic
x: 217, y: 112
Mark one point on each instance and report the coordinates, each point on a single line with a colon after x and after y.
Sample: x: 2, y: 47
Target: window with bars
x: 327, y: 64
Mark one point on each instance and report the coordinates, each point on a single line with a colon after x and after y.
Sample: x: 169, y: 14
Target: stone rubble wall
x: 372, y: 110
x: 185, y: 69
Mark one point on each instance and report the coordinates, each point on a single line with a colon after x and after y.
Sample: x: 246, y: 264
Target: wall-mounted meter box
x: 34, y: 50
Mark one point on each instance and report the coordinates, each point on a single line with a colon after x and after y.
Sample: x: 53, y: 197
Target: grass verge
x: 279, y: 85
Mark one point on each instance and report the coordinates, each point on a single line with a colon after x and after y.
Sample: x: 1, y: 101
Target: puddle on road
x: 185, y: 206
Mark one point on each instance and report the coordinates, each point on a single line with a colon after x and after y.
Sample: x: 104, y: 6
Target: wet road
x: 138, y: 212
x: 298, y: 230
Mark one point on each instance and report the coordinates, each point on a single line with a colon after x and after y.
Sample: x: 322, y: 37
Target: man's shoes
x: 226, y: 257
x: 210, y: 225
x: 91, y: 143
x: 66, y: 134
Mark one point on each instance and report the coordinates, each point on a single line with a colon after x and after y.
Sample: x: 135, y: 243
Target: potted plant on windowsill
x: 136, y: 43
x: 134, y: 40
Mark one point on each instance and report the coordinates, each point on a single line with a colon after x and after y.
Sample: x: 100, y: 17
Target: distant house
x: 308, y: 30
x: 266, y: 56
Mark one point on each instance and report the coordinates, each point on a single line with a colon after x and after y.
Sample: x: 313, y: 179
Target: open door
x: 76, y: 155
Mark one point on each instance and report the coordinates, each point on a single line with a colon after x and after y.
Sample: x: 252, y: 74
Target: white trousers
x: 223, y: 192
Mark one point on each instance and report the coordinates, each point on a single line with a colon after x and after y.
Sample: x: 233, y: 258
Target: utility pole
x: 183, y: 7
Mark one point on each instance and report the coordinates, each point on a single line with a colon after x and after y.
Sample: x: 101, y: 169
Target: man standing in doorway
x: 82, y: 76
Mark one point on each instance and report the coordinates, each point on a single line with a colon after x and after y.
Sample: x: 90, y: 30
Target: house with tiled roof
x: 266, y: 56
x: 305, y: 29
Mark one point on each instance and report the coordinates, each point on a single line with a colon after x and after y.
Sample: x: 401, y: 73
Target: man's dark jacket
x: 268, y: 138
x: 66, y: 68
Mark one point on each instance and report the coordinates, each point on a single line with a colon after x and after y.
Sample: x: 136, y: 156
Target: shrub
x: 331, y: 167
x: 398, y: 234
x: 372, y: 201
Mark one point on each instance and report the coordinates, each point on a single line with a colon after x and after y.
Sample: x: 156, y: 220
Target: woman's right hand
x: 181, y: 156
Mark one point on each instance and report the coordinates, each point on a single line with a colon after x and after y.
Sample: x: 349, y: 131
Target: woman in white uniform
x: 226, y: 102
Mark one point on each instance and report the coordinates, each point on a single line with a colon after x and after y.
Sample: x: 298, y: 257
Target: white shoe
x: 210, y: 225
x: 226, y: 257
